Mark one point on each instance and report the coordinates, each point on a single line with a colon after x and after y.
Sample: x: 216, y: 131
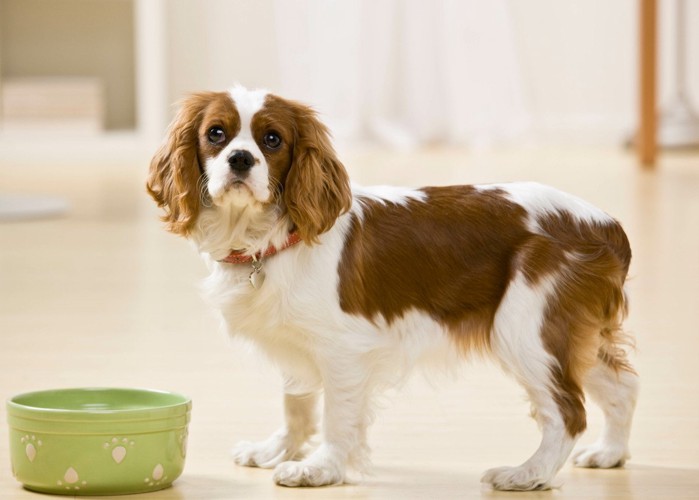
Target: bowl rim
x: 20, y: 408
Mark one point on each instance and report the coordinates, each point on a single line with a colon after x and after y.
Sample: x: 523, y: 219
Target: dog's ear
x: 317, y: 189
x: 175, y: 174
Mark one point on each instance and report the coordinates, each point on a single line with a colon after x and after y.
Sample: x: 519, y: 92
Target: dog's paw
x: 522, y: 478
x: 307, y: 473
x: 600, y: 455
x: 265, y: 454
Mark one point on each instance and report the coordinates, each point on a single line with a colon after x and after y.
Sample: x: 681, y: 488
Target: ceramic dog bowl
x: 98, y: 441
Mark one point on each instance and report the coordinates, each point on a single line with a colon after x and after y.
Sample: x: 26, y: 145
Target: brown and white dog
x: 347, y: 288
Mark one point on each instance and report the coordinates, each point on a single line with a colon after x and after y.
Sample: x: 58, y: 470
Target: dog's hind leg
x: 518, y: 342
x: 613, y: 385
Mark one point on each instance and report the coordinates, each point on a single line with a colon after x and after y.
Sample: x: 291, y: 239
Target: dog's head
x: 248, y: 148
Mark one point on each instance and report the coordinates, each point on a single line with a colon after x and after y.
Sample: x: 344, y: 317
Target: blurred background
x: 395, y: 73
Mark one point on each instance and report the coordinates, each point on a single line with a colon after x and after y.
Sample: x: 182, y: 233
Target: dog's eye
x: 272, y: 140
x: 216, y: 135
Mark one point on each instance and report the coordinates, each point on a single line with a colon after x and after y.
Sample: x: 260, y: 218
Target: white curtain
x: 404, y: 72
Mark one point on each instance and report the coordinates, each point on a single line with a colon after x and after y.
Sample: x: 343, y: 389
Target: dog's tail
x: 616, y: 342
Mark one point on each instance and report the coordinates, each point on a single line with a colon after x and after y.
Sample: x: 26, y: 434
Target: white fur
x: 288, y: 442
x: 220, y: 229
x: 616, y: 394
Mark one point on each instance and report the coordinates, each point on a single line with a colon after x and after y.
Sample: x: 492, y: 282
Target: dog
x: 346, y: 288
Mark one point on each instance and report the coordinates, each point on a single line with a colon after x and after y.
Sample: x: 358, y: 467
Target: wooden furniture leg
x: 646, y: 138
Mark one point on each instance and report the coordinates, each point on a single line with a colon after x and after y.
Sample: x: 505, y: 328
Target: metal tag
x: 257, y: 276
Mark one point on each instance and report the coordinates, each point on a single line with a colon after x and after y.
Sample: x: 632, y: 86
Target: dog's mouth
x: 238, y: 186
x: 239, y: 192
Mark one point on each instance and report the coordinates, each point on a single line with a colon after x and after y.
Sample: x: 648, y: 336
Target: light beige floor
x: 104, y: 297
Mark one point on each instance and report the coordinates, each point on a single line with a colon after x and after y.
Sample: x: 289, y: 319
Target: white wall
x: 578, y: 62
x: 578, y: 58
x: 214, y: 43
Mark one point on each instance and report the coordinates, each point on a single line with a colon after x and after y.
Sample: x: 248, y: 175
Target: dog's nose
x: 241, y: 160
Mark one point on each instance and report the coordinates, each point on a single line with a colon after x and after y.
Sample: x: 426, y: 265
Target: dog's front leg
x: 287, y: 442
x: 345, y: 420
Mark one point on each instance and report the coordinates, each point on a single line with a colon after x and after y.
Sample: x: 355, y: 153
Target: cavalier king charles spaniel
x: 347, y: 288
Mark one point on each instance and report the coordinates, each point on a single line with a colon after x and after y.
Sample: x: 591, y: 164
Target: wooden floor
x: 104, y: 297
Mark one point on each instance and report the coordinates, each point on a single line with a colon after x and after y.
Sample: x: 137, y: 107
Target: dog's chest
x: 253, y: 310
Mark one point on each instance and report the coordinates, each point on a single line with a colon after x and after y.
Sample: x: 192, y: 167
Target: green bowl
x: 98, y: 441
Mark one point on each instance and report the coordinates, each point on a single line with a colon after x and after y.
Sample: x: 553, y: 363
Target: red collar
x: 239, y: 257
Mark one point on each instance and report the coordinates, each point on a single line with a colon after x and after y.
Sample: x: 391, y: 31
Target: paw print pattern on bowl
x: 32, y: 445
x: 157, y: 476
x: 70, y: 480
x: 119, y: 448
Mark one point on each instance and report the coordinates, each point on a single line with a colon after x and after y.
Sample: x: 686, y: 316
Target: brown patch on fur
x: 583, y: 319
x: 219, y: 112
x: 175, y: 174
x: 305, y: 171
x: 276, y: 116
x: 539, y: 257
x: 449, y: 258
